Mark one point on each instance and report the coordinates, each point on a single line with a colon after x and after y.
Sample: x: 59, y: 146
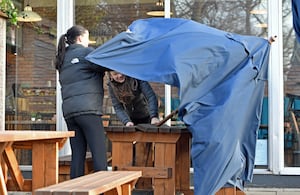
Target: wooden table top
x: 147, y: 128
x: 26, y: 135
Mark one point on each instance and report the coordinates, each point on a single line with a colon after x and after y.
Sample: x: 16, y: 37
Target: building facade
x: 33, y: 93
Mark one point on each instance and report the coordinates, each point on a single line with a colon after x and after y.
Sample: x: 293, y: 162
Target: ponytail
x: 68, y: 38
x: 61, y: 49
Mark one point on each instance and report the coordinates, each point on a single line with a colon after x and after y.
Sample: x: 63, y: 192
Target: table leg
x: 122, y: 153
x: 183, y: 163
x: 165, y: 157
x: 3, y: 189
x: 44, y: 164
x: 13, y: 168
x: 143, y: 158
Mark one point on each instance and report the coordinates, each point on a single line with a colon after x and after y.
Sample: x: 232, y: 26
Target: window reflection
x: 291, y: 68
x: 30, y: 102
x: 242, y: 17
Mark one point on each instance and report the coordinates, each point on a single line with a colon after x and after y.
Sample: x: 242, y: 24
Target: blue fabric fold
x: 296, y: 17
x: 221, y: 78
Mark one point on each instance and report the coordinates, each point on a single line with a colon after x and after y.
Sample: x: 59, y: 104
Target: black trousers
x: 89, y: 132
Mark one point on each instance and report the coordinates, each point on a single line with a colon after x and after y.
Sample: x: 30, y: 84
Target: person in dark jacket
x: 134, y: 100
x: 82, y: 97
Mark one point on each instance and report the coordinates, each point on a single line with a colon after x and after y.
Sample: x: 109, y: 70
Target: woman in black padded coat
x: 82, y: 97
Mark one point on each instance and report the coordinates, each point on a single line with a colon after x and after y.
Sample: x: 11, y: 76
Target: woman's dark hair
x: 68, y: 38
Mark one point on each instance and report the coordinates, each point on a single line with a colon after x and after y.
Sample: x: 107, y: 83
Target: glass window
x: 105, y: 19
x: 242, y: 17
x: 30, y: 72
x: 291, y: 67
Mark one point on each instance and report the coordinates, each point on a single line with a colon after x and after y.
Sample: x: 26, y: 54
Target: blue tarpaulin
x: 221, y: 78
x: 296, y: 17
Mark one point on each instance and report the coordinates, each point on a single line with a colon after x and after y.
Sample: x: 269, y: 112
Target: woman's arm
x: 151, y: 98
x: 92, y: 66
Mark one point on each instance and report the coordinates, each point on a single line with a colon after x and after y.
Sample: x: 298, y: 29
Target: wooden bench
x: 107, y: 182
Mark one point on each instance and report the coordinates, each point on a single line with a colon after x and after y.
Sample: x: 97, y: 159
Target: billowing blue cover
x: 296, y: 17
x: 221, y: 78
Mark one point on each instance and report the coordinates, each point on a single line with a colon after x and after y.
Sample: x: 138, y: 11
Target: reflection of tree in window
x: 291, y: 48
x: 288, y: 36
x: 231, y: 16
x: 295, y: 59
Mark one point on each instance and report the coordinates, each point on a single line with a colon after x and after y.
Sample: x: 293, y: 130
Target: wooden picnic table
x: 45, y: 146
x: 170, y: 172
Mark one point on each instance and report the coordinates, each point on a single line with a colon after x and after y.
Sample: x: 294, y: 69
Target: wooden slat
x: 2, y: 183
x: 3, y: 189
x: 165, y: 154
x: 95, y: 183
x: 13, y: 167
x: 183, y: 162
x: 111, y: 192
x: 4, y: 169
x: 178, y: 130
x: 129, y: 129
x: 26, y: 135
x: 126, y: 189
x: 119, y: 129
x: 150, y: 172
x: 230, y: 191
x: 143, y: 154
x: 38, y: 166
x: 11, y: 186
x: 44, y: 165
x: 139, y: 136
x: 147, y: 128
x: 164, y: 129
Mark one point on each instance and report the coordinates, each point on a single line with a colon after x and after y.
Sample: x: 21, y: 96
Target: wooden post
x: 3, y: 19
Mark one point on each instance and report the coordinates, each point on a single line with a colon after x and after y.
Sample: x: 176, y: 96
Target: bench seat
x: 107, y: 182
